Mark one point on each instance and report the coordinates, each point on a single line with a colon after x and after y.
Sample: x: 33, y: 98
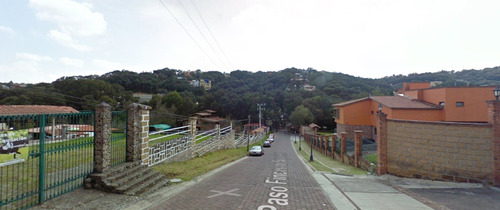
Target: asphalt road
x: 276, y: 180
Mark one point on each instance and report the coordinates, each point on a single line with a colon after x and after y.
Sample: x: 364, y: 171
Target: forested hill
x: 234, y: 95
x: 487, y: 76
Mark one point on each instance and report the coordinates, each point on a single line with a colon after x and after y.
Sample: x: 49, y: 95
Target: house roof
x: 212, y: 119
x: 401, y: 102
x: 312, y: 125
x: 34, y: 109
x: 350, y: 102
x: 203, y: 114
x: 394, y: 102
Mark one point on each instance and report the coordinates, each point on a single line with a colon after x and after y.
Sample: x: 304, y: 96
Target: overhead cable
x: 210, y: 31
x: 202, y: 34
x: 189, y: 34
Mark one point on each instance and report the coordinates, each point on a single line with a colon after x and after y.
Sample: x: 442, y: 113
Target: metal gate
x: 44, y: 156
x: 118, y: 137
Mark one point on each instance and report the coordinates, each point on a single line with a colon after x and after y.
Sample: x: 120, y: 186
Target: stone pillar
x: 381, y: 143
x: 358, y: 147
x: 343, y: 136
x: 334, y: 136
x: 102, y: 138
x: 192, y: 129
x: 138, y: 133
x: 494, y: 119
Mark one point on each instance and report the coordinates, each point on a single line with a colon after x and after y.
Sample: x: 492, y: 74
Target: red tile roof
x: 401, y: 102
x: 394, y: 102
x: 34, y: 109
x: 350, y: 102
x: 312, y: 125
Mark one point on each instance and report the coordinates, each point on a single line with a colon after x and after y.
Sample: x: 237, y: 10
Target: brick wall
x: 349, y: 129
x: 458, y: 152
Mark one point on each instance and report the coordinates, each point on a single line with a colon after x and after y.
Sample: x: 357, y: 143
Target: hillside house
x: 54, y: 129
x: 205, y: 83
x: 206, y: 120
x: 143, y: 97
x: 416, y: 101
x: 309, y: 87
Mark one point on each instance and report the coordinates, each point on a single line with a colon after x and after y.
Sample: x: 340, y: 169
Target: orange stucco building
x: 416, y: 101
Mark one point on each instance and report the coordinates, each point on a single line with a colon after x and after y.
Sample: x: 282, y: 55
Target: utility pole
x: 260, y: 108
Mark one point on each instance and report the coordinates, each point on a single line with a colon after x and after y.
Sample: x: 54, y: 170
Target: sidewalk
x: 390, y: 192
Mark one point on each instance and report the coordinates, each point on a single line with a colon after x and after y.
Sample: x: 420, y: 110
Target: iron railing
x: 118, y: 137
x: 53, y: 154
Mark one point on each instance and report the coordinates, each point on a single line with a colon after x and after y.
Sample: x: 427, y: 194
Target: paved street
x: 276, y: 180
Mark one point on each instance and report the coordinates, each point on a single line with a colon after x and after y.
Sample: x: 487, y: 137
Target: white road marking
x: 223, y: 193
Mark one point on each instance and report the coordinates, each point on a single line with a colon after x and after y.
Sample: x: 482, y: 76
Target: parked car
x: 256, y: 150
x: 267, y: 144
x: 270, y: 139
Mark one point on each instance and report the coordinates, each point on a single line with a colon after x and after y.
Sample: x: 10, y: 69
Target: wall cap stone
x: 468, y: 124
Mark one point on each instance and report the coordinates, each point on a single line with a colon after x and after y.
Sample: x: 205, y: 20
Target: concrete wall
x: 440, y: 151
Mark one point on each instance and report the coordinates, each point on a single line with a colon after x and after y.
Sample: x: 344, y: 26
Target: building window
x: 460, y: 104
x: 441, y: 103
x: 336, y: 113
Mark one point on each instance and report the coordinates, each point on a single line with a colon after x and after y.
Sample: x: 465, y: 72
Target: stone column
x: 382, y: 143
x: 138, y: 133
x: 358, y: 147
x: 343, y: 136
x: 192, y: 129
x: 494, y: 119
x: 102, y: 138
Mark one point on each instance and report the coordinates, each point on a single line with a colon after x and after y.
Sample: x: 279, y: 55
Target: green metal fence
x: 118, y: 137
x: 44, y: 156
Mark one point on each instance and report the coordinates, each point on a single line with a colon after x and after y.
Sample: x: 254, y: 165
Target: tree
x: 301, y: 116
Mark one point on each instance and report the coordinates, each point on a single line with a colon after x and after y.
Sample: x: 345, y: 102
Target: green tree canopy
x: 301, y: 115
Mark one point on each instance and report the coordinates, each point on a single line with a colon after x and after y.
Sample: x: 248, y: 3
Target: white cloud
x: 7, y: 30
x: 73, y: 19
x: 67, y: 41
x: 105, y: 64
x: 72, y: 62
x: 32, y: 57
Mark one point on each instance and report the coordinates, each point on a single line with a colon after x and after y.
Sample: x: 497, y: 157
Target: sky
x: 43, y: 40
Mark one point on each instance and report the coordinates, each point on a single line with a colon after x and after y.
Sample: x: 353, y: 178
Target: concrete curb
x: 336, y: 197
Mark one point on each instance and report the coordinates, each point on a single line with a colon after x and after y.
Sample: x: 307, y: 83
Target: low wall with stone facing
x: 173, y: 150
x: 249, y: 139
x: 185, y: 148
x: 458, y: 152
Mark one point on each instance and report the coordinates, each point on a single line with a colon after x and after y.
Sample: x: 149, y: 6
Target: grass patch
x: 372, y: 158
x: 202, y: 139
x: 329, y: 164
x: 187, y: 170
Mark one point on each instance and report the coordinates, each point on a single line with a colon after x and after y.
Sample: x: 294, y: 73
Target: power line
x: 190, y: 36
x: 202, y: 34
x: 46, y: 96
x: 210, y: 31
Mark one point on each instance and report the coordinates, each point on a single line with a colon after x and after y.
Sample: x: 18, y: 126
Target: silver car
x: 256, y: 150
